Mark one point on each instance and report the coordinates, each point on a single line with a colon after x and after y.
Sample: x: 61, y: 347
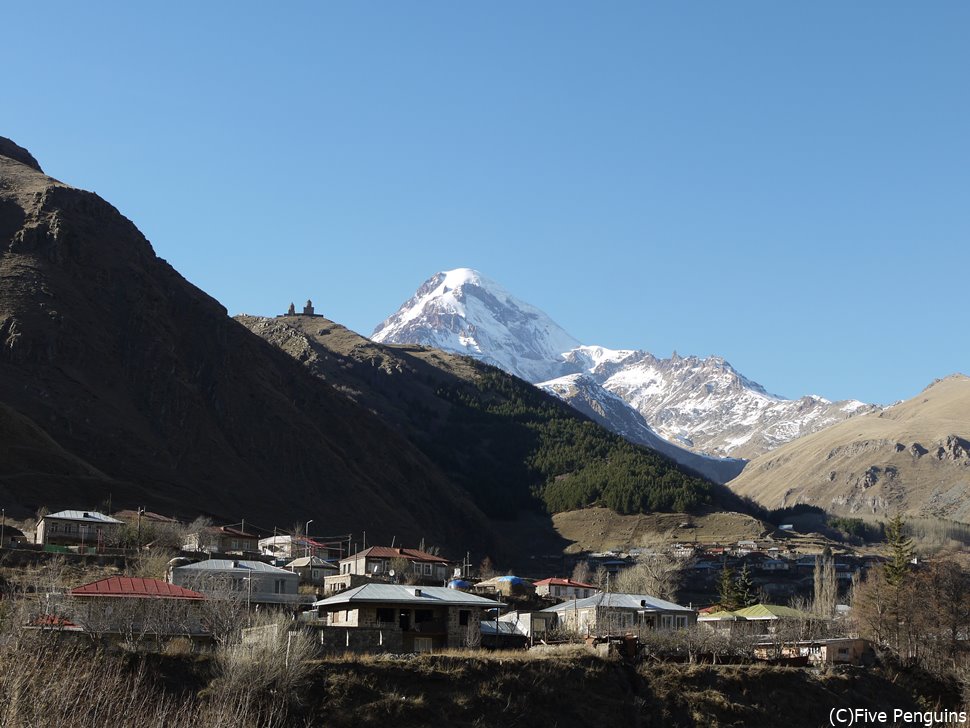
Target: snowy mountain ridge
x: 462, y: 311
x: 701, y: 404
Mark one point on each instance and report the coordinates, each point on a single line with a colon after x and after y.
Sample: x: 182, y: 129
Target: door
x: 422, y: 644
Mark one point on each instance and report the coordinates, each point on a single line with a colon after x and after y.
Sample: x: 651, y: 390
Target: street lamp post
x: 306, y: 536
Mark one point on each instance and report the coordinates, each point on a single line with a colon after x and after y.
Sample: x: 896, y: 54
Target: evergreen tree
x: 727, y: 590
x: 744, y: 588
x: 900, y: 551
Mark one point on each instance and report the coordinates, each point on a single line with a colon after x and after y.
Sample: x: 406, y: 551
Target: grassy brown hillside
x: 913, y: 458
x: 120, y: 379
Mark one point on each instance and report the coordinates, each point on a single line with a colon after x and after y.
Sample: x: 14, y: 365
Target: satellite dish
x: 391, y: 572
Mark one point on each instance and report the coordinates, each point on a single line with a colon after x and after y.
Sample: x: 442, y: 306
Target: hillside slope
x: 913, y: 457
x: 149, y: 394
x: 501, y: 439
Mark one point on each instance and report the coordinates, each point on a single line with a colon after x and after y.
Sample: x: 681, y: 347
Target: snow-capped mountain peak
x: 703, y: 404
x: 463, y: 311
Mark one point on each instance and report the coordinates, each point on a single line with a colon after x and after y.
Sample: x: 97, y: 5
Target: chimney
x: 417, y: 592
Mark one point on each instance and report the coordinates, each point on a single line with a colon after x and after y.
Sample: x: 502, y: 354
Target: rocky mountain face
x: 699, y: 405
x: 591, y: 398
x: 121, y: 380
x: 912, y: 457
x: 705, y: 404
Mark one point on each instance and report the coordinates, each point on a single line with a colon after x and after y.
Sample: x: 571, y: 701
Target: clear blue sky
x: 783, y: 184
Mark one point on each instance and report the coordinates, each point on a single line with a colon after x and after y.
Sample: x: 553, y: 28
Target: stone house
x: 69, y: 528
x: 222, y: 540
x: 378, y: 617
x: 564, y: 589
x: 311, y: 569
x: 615, y: 613
x: 418, y: 566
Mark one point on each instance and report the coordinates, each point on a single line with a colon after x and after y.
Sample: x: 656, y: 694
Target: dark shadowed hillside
x: 510, y: 445
x: 120, y: 379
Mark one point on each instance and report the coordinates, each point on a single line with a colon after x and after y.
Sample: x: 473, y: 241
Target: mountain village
x: 757, y: 599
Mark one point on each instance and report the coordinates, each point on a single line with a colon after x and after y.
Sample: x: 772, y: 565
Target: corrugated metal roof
x: 386, y: 552
x: 313, y: 561
x: 557, y: 581
x: 400, y: 594
x: 620, y: 601
x: 487, y: 627
x: 87, y: 516
x: 128, y: 586
x: 234, y: 565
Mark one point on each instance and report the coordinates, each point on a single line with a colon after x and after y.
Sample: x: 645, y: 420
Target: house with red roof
x: 388, y: 563
x: 560, y: 589
x: 134, y: 609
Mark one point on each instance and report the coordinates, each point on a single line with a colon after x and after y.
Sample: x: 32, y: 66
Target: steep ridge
x: 500, y: 438
x: 706, y: 405
x: 134, y: 385
x: 603, y: 406
x: 913, y: 457
x: 700, y: 405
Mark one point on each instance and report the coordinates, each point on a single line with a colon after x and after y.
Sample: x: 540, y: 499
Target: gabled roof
x: 639, y: 602
x: 400, y: 594
x: 230, y: 531
x: 234, y: 565
x: 145, y: 516
x: 769, y: 611
x: 86, y: 516
x: 312, y: 561
x: 134, y: 587
x: 557, y: 581
x: 386, y: 552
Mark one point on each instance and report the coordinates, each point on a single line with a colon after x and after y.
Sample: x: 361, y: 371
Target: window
x: 385, y: 615
x: 279, y: 586
x: 463, y: 617
x: 55, y: 527
x: 681, y: 622
x: 427, y: 569
x: 666, y: 621
x: 423, y: 615
x: 68, y: 528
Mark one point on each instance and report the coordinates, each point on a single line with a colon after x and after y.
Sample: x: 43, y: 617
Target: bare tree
x: 581, y: 572
x: 826, y: 587
x: 658, y: 575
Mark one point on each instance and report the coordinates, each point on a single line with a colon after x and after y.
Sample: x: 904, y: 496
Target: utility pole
x: 141, y: 510
x: 3, y: 525
x: 306, y: 536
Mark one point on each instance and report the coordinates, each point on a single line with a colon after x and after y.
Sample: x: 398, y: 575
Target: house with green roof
x: 756, y: 619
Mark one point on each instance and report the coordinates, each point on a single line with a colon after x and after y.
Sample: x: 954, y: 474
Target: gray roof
x: 86, y: 516
x: 620, y: 601
x: 315, y: 561
x: 400, y: 594
x: 487, y: 627
x: 234, y: 565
